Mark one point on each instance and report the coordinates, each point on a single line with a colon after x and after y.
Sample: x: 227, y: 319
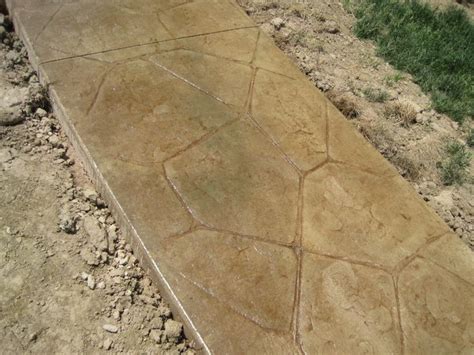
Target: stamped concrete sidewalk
x: 271, y: 224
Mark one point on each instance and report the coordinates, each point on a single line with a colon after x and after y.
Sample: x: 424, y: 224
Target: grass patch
x: 401, y: 112
x: 393, y: 80
x: 470, y: 138
x: 435, y: 46
x: 375, y: 95
x: 454, y: 169
x: 347, y: 106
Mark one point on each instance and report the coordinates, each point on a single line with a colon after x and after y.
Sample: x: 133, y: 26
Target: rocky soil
x: 69, y: 282
x: 386, y: 106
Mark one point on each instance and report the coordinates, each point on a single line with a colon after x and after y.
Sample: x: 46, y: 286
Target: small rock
x: 33, y: 337
x: 116, y: 314
x: 110, y: 328
x: 89, y: 257
x: 53, y: 140
x: 107, y: 344
x: 164, y: 311
x: 101, y: 285
x: 90, y: 195
x: 277, y: 22
x: 91, y: 282
x: 5, y: 155
x: 155, y: 335
x: 10, y: 116
x: 68, y: 223
x: 41, y: 112
x: 173, y: 330
x: 3, y: 32
x: 156, y: 323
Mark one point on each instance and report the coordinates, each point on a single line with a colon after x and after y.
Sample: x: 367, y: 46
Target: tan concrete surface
x: 272, y: 225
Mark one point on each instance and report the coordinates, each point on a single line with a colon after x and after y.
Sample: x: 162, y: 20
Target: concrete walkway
x: 271, y: 224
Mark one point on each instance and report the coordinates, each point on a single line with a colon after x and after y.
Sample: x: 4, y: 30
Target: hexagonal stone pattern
x: 271, y: 224
x: 437, y: 310
x: 356, y: 215
x: 128, y: 116
x: 236, y: 272
x: 350, y: 302
x: 237, y: 181
x: 455, y: 257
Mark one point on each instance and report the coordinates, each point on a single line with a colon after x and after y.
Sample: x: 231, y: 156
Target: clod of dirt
x: 173, y: 330
x: 68, y: 223
x: 277, y: 22
x: 96, y: 234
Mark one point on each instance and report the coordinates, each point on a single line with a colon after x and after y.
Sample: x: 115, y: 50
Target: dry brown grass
x: 400, y: 112
x: 346, y: 105
x: 381, y: 139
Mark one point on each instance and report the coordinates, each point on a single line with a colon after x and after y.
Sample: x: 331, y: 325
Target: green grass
x: 470, y: 138
x: 375, y: 95
x: 392, y: 80
x: 435, y: 46
x: 454, y: 169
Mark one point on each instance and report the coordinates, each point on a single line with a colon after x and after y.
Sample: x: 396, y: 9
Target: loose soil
x: 386, y: 106
x: 69, y: 282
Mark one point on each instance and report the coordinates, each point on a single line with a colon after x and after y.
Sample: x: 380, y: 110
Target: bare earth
x: 69, y: 282
x: 318, y: 37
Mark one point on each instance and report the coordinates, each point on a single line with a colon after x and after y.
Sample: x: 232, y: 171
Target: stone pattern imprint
x: 275, y: 225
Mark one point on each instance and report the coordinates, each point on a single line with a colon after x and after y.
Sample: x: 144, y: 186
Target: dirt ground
x: 386, y: 106
x: 69, y: 282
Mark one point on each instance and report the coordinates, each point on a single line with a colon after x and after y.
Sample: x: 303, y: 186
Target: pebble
x: 155, y: 335
x: 107, y: 344
x: 41, y: 112
x: 68, y: 223
x: 110, y: 328
x: 10, y: 116
x: 173, y: 330
x: 91, y: 282
x: 277, y: 22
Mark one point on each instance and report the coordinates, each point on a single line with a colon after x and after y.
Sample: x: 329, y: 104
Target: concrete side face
x: 271, y: 224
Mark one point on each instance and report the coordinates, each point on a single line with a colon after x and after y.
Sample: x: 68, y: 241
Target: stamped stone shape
x: 254, y: 279
x: 148, y: 199
x: 235, y: 334
x: 204, y: 16
x: 269, y: 57
x: 237, y: 181
x: 346, y: 145
x: 127, y: 115
x: 237, y: 45
x: 294, y: 114
x: 71, y: 28
x: 452, y: 255
x: 357, y: 215
x: 347, y: 309
x: 437, y: 310
x: 229, y: 80
x: 60, y: 29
